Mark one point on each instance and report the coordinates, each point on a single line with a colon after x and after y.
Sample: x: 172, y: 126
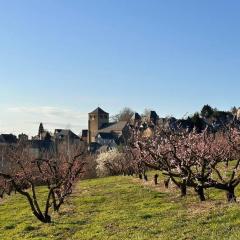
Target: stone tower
x: 96, y: 120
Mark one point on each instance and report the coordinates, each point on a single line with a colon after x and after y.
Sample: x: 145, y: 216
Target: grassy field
x: 125, y: 208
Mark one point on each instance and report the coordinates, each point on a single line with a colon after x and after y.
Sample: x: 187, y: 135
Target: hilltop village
x: 102, y: 134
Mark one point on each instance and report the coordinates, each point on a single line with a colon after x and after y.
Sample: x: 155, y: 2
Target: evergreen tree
x: 207, y: 111
x: 40, y: 130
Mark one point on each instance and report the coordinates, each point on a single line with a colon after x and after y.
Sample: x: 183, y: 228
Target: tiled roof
x: 106, y: 135
x: 42, y: 144
x: 84, y: 133
x: 136, y: 116
x: 153, y: 114
x: 65, y: 132
x: 8, y: 138
x: 118, y: 126
x: 2, y: 140
x: 98, y: 111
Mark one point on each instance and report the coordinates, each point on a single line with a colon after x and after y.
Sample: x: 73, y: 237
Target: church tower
x: 96, y: 120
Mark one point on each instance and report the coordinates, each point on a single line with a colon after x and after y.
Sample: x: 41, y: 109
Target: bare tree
x: 146, y: 112
x: 194, y: 159
x: 124, y: 115
x: 58, y: 170
x: 112, y: 163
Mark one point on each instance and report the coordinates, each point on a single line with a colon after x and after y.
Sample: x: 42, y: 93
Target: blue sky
x: 60, y: 59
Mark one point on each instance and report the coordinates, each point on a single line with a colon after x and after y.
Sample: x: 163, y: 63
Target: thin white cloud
x: 48, y: 111
x: 19, y: 119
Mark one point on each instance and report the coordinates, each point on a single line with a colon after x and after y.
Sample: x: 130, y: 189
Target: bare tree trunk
x: 156, y: 179
x: 183, y: 188
x: 166, y: 182
x: 230, y: 190
x: 231, y: 194
x: 200, y: 191
x: 36, y: 212
x: 145, y: 177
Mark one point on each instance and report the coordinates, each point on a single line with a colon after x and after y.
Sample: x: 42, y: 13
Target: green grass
x: 124, y: 208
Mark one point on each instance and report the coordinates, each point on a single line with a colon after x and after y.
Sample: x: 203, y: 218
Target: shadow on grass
x: 159, y: 194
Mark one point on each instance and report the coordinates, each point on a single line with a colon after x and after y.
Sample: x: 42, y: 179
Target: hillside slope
x: 124, y: 208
